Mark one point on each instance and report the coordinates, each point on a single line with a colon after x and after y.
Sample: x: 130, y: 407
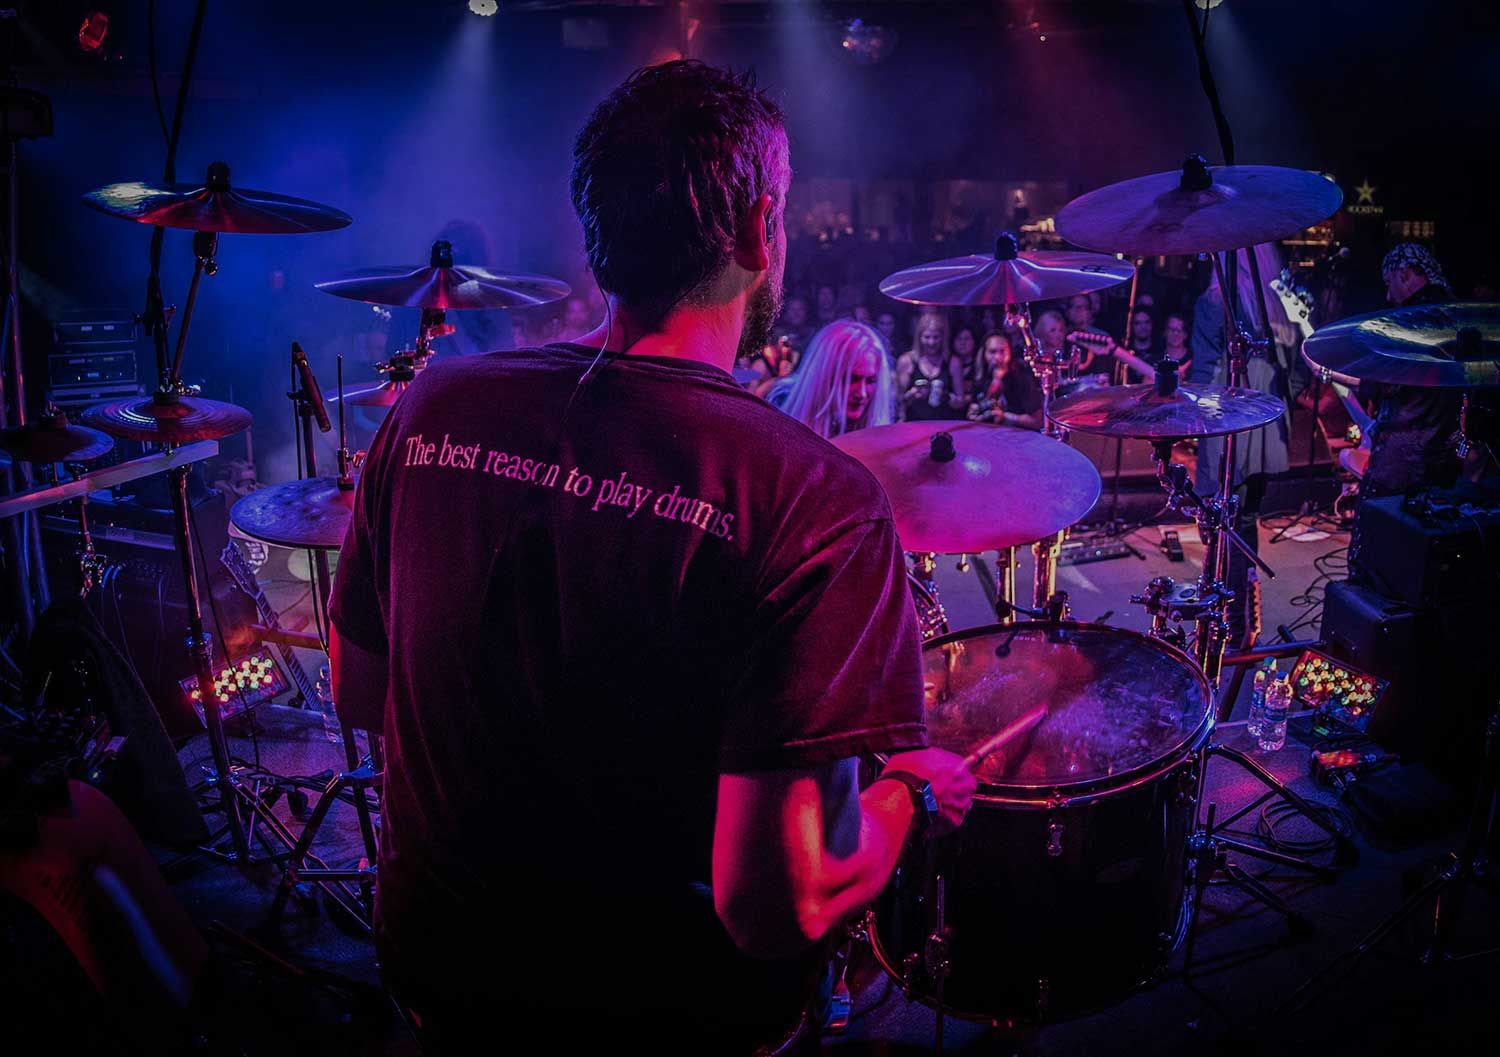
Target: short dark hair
x: 664, y: 172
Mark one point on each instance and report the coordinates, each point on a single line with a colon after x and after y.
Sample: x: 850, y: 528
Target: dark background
x: 411, y: 114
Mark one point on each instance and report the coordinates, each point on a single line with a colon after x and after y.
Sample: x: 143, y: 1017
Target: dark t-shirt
x: 587, y: 622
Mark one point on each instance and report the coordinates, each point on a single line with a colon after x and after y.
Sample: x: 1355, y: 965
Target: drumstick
x: 1007, y: 735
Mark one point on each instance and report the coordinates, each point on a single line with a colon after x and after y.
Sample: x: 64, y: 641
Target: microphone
x: 310, y: 388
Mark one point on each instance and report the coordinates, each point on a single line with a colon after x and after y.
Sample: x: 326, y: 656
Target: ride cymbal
x: 984, y: 488
x: 1445, y: 346
x: 1199, y: 209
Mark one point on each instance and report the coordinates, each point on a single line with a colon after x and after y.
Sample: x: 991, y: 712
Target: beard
x: 761, y: 315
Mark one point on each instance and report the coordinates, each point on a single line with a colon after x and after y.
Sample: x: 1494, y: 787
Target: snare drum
x: 1065, y: 888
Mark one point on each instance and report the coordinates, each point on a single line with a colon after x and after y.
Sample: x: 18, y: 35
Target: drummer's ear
x: 757, y: 233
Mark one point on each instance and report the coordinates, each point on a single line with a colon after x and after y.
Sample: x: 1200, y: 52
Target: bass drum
x: 1065, y: 887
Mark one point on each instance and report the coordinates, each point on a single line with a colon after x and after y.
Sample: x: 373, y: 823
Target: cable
x: 161, y: 113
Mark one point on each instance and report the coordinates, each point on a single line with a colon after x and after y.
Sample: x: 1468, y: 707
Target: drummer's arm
x: 798, y: 851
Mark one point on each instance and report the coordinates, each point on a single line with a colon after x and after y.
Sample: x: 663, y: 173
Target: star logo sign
x: 1366, y: 192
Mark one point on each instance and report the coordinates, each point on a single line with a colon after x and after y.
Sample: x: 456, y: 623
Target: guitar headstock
x: 1296, y: 300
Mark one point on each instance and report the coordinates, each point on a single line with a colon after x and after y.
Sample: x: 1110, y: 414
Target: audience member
x: 1005, y: 391
x: 928, y: 376
x: 843, y: 383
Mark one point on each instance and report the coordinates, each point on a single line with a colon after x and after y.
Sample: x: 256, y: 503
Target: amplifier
x: 1439, y: 661
x: 140, y: 600
x: 1430, y: 548
x: 94, y: 357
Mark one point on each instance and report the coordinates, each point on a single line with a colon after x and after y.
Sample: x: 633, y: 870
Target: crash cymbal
x: 1141, y: 411
x: 1199, y: 209
x: 215, y: 206
x: 1006, y: 277
x: 311, y: 513
x: 168, y: 420
x: 51, y: 438
x: 384, y: 395
x: 999, y: 487
x: 1445, y: 346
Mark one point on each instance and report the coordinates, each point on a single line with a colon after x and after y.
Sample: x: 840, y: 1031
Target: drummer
x: 625, y: 681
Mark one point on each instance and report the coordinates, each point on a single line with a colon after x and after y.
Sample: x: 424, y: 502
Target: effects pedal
x: 1171, y: 546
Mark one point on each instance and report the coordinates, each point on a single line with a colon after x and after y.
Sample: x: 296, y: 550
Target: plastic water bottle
x: 1278, y: 706
x: 1263, y: 677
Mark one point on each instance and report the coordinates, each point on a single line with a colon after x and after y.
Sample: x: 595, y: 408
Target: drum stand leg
x: 1447, y: 891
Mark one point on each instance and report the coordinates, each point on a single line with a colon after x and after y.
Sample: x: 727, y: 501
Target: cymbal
x: 1445, y: 346
x: 1003, y: 488
x: 215, y: 206
x: 1140, y: 411
x: 383, y: 395
x: 177, y: 420
x: 460, y: 286
x: 51, y: 438
x: 1199, y: 209
x: 313, y: 513
x: 1006, y: 277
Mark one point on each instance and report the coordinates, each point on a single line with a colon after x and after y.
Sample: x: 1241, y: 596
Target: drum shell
x: 1052, y: 907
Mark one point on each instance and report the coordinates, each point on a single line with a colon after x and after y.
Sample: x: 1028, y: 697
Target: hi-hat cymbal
x: 51, y: 438
x: 1445, y: 346
x: 454, y: 287
x: 1002, y: 487
x: 1140, y: 411
x: 1199, y: 209
x: 1006, y: 277
x: 310, y: 513
x: 175, y: 420
x: 215, y: 206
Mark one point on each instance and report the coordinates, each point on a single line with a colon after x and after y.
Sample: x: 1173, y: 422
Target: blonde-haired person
x: 843, y: 383
x: 929, y: 378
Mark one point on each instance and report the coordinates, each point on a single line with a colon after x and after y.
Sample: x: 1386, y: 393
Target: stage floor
x: 1246, y: 964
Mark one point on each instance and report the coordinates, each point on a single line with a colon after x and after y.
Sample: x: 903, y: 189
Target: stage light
x: 92, y: 32
x: 485, y: 8
x: 867, y: 44
x: 1206, y: 5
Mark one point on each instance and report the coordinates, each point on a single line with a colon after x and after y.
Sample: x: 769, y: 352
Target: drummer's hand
x: 952, y: 783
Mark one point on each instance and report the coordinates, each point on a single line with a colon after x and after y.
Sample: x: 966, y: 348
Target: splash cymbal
x: 1006, y: 277
x: 52, y: 438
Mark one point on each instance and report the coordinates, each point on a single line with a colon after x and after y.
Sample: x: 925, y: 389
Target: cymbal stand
x: 1049, y: 368
x: 302, y: 399
x: 1447, y: 891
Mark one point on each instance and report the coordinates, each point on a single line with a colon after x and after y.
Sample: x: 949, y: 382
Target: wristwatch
x: 923, y: 799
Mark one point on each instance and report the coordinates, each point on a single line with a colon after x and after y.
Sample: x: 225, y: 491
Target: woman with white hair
x: 843, y: 382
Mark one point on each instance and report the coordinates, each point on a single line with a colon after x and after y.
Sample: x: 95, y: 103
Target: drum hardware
x: 968, y: 487
x: 441, y: 285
